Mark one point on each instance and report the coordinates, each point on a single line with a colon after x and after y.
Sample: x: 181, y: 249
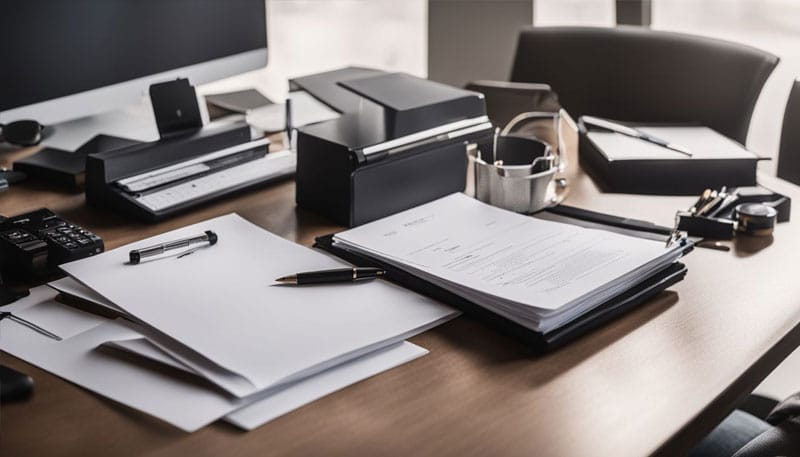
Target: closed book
x: 620, y: 163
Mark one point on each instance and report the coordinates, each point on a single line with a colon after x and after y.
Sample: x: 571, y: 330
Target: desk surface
x: 654, y: 381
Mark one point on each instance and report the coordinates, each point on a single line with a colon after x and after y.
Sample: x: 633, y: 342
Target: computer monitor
x: 64, y: 60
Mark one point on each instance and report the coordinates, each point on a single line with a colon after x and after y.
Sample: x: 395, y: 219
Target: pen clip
x: 676, y: 236
x: 189, y: 252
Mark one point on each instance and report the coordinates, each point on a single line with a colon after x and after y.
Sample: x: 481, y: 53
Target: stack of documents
x: 258, y: 349
x: 539, y: 274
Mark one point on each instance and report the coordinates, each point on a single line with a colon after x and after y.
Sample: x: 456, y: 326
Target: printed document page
x: 497, y: 253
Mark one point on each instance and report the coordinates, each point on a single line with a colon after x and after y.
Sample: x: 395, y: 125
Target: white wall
x: 772, y: 25
x: 308, y: 36
x: 575, y: 12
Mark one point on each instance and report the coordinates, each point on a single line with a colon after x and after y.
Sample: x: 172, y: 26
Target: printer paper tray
x: 284, y: 167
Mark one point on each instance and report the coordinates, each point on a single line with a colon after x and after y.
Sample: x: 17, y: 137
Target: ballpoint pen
x: 29, y: 324
x: 701, y: 201
x: 137, y: 255
x: 726, y: 203
x: 635, y: 133
x: 330, y: 276
x: 713, y: 202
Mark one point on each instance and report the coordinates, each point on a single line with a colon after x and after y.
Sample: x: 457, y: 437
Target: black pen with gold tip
x: 331, y: 276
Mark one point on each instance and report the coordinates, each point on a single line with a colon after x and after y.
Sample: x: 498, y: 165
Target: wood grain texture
x: 652, y: 382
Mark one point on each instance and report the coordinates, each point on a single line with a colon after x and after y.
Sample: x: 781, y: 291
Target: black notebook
x: 621, y: 163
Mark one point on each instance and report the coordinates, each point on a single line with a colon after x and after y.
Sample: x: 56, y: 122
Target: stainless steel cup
x: 517, y: 176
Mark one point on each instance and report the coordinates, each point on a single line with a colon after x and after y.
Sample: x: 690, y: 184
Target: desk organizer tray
x: 722, y: 225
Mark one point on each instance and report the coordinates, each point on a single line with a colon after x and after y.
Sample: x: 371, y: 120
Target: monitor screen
x: 54, y: 48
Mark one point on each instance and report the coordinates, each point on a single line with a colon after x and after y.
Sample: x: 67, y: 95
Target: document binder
x: 538, y: 342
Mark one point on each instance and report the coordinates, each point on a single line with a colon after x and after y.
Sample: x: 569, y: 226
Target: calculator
x: 36, y: 243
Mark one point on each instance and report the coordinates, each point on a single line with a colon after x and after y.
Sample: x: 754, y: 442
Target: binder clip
x: 519, y: 173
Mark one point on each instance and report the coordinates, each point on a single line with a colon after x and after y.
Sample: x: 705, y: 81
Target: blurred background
x: 456, y: 41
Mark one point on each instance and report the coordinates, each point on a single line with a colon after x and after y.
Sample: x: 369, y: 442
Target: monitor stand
x: 135, y: 122
x: 62, y: 160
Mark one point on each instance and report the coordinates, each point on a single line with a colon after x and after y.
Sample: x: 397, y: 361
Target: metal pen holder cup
x: 518, y: 174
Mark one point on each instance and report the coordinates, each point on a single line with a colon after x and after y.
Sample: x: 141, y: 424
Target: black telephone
x: 35, y: 243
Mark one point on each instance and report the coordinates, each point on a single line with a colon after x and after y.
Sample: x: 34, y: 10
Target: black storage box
x: 406, y: 145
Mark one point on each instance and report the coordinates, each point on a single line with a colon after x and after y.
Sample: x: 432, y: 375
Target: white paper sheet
x: 298, y: 394
x: 142, y: 347
x: 703, y: 142
x: 305, y: 110
x: 322, y: 384
x: 221, y: 303
x: 165, y: 352
x: 41, y: 309
x: 527, y: 269
x: 59, y: 319
x: 184, y: 404
x: 73, y: 288
x: 230, y: 381
x: 183, y: 356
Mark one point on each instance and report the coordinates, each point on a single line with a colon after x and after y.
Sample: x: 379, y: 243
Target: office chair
x: 641, y: 75
x: 745, y: 435
x: 789, y: 153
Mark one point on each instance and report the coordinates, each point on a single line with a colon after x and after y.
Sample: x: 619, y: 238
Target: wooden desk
x: 654, y: 381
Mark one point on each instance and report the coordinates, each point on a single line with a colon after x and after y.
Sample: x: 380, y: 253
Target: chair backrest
x: 789, y: 153
x: 640, y: 75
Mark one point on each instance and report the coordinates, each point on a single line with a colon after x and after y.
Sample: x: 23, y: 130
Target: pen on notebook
x: 29, y: 324
x: 137, y: 255
x: 635, y: 133
x: 331, y: 276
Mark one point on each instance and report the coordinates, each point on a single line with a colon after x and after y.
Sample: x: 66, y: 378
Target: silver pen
x: 635, y: 133
x: 137, y: 255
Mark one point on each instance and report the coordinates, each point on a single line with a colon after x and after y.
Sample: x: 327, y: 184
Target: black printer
x: 401, y: 142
